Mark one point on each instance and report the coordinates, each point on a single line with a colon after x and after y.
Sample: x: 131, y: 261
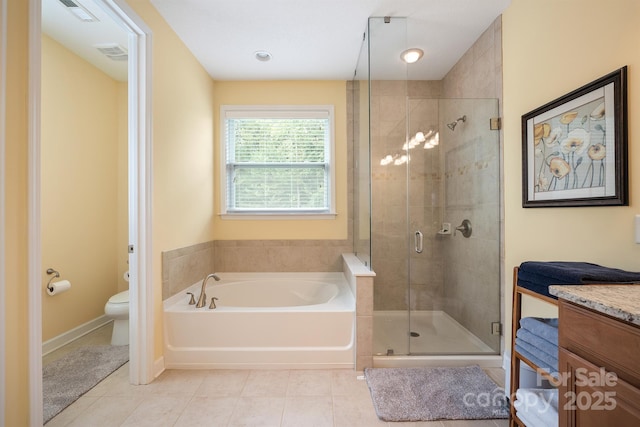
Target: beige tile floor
x: 239, y: 398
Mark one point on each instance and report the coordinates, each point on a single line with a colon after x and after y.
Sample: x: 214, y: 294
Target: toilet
x: 117, y: 308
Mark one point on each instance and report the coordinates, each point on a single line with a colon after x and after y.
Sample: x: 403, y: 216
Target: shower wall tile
x: 389, y: 87
x: 473, y: 287
x: 425, y: 88
x: 484, y: 58
x: 393, y: 109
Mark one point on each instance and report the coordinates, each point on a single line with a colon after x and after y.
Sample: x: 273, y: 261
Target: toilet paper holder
x: 49, y: 272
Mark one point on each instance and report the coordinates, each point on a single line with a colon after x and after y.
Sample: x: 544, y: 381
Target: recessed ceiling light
x: 263, y: 55
x: 411, y: 55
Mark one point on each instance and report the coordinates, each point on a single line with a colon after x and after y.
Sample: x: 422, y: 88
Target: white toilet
x: 117, y: 308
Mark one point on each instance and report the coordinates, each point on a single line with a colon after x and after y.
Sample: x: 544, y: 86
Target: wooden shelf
x: 516, y: 357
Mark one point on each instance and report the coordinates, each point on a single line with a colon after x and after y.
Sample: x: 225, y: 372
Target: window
x: 277, y: 160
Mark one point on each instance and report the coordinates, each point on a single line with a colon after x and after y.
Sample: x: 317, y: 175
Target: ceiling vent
x: 78, y: 11
x: 113, y: 51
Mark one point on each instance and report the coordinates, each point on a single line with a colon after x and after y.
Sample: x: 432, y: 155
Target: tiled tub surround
x: 183, y: 267
x: 360, y: 279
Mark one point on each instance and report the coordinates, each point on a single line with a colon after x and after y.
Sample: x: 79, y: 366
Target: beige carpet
x: 428, y: 394
x: 68, y: 378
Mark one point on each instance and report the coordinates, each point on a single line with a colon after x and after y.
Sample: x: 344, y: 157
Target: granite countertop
x: 619, y: 301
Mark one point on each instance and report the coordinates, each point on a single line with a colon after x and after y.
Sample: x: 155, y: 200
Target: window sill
x: 277, y: 216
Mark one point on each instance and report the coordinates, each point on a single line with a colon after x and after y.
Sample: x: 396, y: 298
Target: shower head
x: 453, y: 125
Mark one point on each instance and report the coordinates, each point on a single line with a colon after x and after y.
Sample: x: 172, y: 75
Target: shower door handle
x: 418, y: 242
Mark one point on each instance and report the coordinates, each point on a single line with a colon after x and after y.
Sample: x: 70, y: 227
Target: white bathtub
x: 263, y: 320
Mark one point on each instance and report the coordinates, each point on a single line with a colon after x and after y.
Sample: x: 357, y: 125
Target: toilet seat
x: 120, y: 298
x: 118, y: 306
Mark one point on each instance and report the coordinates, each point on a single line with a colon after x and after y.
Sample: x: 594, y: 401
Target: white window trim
x: 229, y: 110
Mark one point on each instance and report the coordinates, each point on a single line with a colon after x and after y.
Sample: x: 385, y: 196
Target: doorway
x: 139, y: 204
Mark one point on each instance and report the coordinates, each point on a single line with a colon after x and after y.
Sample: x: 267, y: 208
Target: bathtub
x: 262, y: 321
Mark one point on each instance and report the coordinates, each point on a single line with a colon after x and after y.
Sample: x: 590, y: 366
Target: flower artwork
x: 574, y: 148
x: 571, y: 148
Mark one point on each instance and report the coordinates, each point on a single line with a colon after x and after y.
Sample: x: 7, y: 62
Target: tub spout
x: 202, y: 299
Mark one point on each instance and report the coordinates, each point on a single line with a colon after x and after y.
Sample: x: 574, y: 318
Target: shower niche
x: 425, y: 165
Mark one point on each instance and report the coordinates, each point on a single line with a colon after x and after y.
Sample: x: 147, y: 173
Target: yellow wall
x: 182, y: 149
x: 79, y: 203
x: 16, y: 294
x: 287, y: 93
x: 550, y: 48
x: 183, y: 178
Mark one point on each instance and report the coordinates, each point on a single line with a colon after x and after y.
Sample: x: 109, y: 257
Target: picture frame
x: 574, y: 148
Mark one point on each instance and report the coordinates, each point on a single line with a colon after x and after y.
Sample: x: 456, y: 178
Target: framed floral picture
x: 574, y: 149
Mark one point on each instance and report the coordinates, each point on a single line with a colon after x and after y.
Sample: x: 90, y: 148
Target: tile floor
x: 238, y: 398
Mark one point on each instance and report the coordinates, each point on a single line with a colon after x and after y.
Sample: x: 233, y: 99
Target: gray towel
x: 548, y: 361
x: 544, y: 328
x: 538, y: 342
x: 542, y: 365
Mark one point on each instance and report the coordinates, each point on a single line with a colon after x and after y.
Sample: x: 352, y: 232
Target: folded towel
x: 533, y: 358
x: 530, y: 420
x: 538, y: 342
x: 549, y: 361
x: 578, y: 272
x: 540, y: 403
x: 546, y: 328
x: 529, y: 276
x: 537, y: 287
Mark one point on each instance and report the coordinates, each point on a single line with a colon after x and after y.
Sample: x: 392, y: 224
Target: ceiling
x: 308, y: 39
x: 82, y: 37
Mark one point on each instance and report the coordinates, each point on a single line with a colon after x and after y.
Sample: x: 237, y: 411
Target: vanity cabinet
x: 599, y: 360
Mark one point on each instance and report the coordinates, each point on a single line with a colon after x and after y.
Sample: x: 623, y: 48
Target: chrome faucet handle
x: 192, y: 300
x: 464, y: 228
x: 213, y: 303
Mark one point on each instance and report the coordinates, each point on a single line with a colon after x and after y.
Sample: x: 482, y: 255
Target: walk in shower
x: 426, y: 206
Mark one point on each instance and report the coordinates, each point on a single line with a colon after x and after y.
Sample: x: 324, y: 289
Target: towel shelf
x: 627, y: 371
x: 516, y: 357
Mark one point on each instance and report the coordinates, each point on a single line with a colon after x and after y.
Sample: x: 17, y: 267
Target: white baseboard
x: 158, y: 367
x: 73, y: 334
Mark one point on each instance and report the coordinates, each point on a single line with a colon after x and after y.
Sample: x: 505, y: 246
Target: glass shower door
x: 389, y: 184
x: 453, y: 201
x: 424, y: 212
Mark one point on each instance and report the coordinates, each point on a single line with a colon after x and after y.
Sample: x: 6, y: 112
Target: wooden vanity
x: 599, y: 355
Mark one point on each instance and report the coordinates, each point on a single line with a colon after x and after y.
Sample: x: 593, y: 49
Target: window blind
x: 278, y: 164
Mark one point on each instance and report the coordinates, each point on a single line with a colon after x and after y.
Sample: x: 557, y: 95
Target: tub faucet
x: 202, y: 299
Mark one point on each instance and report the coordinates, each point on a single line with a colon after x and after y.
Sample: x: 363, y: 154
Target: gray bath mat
x: 427, y: 394
x: 68, y: 378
